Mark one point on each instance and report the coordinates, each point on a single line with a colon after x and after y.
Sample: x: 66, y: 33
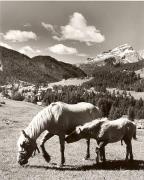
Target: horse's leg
x: 88, y: 149
x: 44, y: 153
x: 100, y: 151
x: 127, y: 152
x: 127, y: 148
x: 62, y: 148
x: 130, y: 151
x: 103, y: 154
x: 97, y: 154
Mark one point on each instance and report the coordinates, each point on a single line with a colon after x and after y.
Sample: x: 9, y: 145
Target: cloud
x: 49, y: 27
x: 20, y: 36
x: 27, y: 25
x: 77, y: 29
x: 29, y: 51
x: 1, y: 35
x: 62, y: 49
x: 5, y: 45
x: 57, y: 38
x: 82, y: 55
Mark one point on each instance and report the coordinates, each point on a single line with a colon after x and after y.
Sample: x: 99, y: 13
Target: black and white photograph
x: 71, y: 90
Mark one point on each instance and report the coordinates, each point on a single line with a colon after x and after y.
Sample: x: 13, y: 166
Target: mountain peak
x: 120, y: 55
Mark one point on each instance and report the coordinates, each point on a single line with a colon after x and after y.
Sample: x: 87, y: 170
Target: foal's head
x: 26, y: 147
x: 76, y: 135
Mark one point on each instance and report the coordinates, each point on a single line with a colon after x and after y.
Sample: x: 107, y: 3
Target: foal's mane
x: 95, y: 125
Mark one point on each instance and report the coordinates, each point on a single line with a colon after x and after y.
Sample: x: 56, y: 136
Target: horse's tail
x: 134, y: 135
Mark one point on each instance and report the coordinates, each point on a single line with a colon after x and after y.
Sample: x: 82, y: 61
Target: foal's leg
x: 130, y: 151
x: 97, y: 154
x: 62, y: 148
x: 88, y: 149
x: 127, y: 152
x: 100, y: 151
x: 127, y: 149
x: 103, y: 158
x: 44, y: 153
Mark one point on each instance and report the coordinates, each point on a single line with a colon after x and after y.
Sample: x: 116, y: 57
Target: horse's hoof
x: 47, y: 157
x: 131, y: 160
x: 60, y: 165
x: 87, y: 157
x: 62, y: 162
x: 97, y: 160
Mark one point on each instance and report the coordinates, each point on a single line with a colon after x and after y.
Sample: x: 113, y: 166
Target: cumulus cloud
x: 5, y: 45
x: 29, y: 51
x: 77, y: 29
x: 62, y: 49
x: 49, y: 27
x: 20, y: 36
x: 57, y: 38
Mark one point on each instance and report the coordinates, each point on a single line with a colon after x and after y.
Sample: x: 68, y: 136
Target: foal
x: 105, y: 131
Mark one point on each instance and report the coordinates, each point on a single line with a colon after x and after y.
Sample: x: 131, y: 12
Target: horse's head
x: 76, y: 135
x: 26, y: 147
x: 96, y: 113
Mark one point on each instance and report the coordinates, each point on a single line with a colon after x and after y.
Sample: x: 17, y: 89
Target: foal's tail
x: 134, y: 135
x: 133, y: 127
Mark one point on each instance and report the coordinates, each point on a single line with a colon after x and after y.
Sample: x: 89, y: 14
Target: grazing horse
x: 57, y: 119
x: 105, y: 131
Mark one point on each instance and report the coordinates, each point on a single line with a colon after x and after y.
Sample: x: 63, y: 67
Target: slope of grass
x: 136, y: 95
x: 15, y: 116
x: 70, y: 81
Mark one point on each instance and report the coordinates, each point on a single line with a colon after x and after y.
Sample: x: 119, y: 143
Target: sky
x: 70, y: 31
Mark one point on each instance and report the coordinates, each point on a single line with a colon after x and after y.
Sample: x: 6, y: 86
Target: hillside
x: 58, y: 69
x: 40, y: 69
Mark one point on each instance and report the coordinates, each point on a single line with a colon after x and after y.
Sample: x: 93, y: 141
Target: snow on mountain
x: 141, y: 53
x: 121, y: 54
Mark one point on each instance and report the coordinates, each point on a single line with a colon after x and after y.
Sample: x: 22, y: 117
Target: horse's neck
x: 95, y: 128
x: 35, y: 128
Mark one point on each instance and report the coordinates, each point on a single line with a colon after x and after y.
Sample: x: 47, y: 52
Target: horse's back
x: 79, y: 107
x: 117, y: 129
x: 68, y: 116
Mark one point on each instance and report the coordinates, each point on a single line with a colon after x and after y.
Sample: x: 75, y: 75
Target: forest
x: 112, y: 105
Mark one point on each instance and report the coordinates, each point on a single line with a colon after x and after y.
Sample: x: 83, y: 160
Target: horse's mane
x: 38, y: 123
x: 94, y: 122
x: 95, y: 125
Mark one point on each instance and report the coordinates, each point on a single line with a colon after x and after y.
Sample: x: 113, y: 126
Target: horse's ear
x: 78, y: 129
x: 25, y: 135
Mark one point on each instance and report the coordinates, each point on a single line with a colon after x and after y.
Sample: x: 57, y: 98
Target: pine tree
x: 131, y: 113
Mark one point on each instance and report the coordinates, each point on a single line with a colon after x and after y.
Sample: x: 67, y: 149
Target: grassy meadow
x: 14, y: 116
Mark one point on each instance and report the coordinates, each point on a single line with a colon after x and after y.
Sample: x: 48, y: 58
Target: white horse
x: 58, y: 119
x: 105, y: 131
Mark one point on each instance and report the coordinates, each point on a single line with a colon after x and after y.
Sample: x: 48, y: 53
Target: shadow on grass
x: 109, y: 165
